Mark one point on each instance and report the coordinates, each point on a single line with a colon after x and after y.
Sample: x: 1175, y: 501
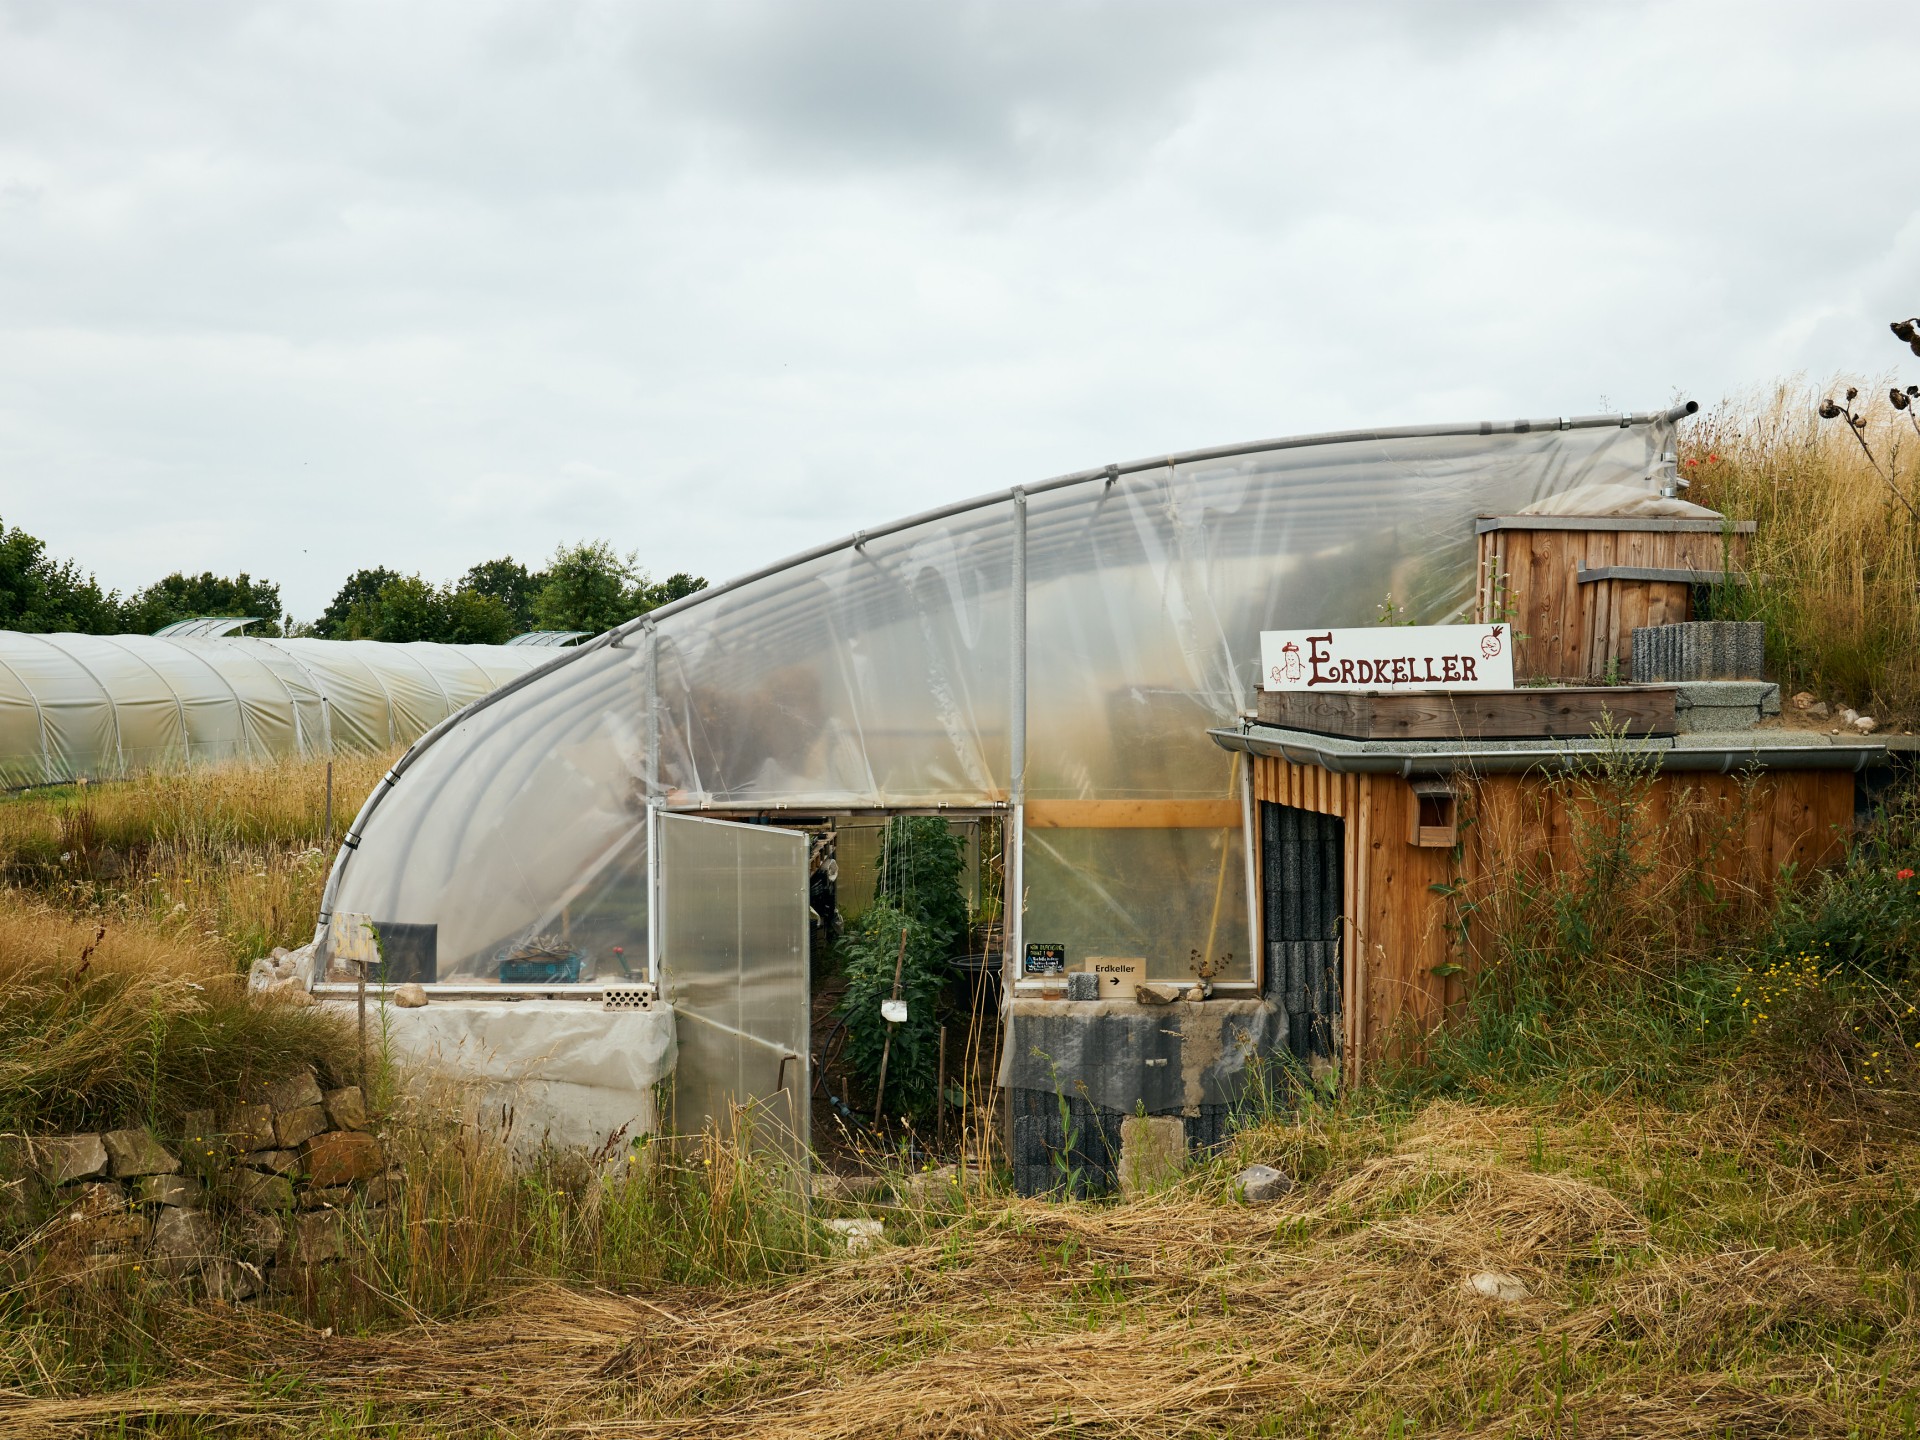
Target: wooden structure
x: 1573, y: 587
x: 1395, y: 855
x: 1570, y: 711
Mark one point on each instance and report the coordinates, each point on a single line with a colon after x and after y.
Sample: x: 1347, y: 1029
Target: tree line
x: 587, y: 586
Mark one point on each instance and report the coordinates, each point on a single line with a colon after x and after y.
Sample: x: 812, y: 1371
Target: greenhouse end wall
x: 1060, y: 651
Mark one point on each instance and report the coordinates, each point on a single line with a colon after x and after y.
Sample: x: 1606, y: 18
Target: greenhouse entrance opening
x: 858, y: 857
x: 730, y: 957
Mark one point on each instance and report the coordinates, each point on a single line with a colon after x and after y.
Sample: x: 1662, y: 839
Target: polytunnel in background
x: 100, y: 707
x: 1059, y: 650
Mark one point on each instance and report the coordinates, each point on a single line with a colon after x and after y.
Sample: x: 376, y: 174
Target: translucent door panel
x: 732, y: 962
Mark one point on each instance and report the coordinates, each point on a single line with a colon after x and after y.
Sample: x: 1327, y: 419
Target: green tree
x: 408, y: 608
x: 362, y: 587
x: 676, y: 586
x: 183, y: 597
x: 590, y: 586
x: 42, y: 595
x: 509, y: 582
x: 472, y: 617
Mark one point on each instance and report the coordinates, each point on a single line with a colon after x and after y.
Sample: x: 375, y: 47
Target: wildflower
x: 1903, y: 874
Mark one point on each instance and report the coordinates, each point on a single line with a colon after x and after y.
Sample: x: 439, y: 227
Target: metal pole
x: 1014, y: 847
x: 886, y: 1050
x: 326, y: 826
x: 654, y: 786
x: 1250, y: 836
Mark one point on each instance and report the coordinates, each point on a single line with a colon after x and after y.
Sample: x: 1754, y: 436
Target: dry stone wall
x: 235, y: 1204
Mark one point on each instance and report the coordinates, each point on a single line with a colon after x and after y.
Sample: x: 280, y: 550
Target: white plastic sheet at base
x: 547, y: 1072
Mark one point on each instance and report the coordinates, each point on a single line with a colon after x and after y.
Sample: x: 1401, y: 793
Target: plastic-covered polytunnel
x: 104, y: 706
x: 1054, y: 653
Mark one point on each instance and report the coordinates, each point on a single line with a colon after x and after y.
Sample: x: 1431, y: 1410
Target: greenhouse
x: 1043, y: 662
x: 101, y: 707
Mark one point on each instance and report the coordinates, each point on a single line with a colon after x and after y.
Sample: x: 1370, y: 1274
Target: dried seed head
x: 1853, y: 393
x: 1899, y: 399
x: 1903, y: 330
x: 1828, y: 409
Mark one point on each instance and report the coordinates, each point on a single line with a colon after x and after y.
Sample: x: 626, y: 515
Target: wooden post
x: 940, y: 1093
x: 886, y: 1050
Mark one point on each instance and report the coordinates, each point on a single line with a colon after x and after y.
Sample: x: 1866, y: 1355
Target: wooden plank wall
x: 1566, y: 630
x: 1399, y: 930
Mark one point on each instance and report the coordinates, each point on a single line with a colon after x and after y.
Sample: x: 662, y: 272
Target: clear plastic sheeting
x: 894, y: 671
x: 104, y: 706
x: 733, y: 964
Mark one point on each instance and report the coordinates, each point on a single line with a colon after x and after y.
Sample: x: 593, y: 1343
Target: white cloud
x: 302, y: 287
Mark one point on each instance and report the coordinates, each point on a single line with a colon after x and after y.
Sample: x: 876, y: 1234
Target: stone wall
x: 233, y: 1204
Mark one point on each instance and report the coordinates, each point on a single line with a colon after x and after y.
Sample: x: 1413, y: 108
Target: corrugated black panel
x: 1040, y: 1134
x: 1303, y: 856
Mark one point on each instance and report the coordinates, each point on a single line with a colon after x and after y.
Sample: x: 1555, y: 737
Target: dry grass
x: 107, y: 1023
x: 1839, y: 553
x: 225, y: 859
x: 1653, y: 1309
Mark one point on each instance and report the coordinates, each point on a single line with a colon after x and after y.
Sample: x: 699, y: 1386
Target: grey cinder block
x: 1699, y: 650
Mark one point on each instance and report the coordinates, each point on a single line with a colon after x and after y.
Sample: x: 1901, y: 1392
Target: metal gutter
x: 1691, y: 753
x: 613, y: 638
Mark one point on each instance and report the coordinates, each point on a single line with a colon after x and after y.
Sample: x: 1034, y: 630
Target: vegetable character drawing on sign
x: 1490, y: 644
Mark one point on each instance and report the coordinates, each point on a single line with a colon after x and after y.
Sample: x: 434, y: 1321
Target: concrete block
x: 1083, y: 986
x: 1704, y: 706
x: 1699, y: 650
x: 1153, y: 1152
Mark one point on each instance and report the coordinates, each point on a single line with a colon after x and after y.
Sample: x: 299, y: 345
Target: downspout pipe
x: 1717, y: 759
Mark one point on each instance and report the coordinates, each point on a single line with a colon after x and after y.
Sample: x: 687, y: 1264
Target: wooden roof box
x: 1545, y: 712
x: 1574, y: 587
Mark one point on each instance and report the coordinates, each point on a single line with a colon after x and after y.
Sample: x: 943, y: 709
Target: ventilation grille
x: 628, y: 997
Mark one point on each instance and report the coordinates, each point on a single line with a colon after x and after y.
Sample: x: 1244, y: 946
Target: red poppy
x: 1903, y: 875
x: 1713, y: 459
x: 1693, y: 462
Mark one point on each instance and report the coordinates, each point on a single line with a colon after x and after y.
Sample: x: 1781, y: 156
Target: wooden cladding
x: 1573, y: 625
x: 1402, y: 965
x: 1133, y: 814
x: 1558, y: 712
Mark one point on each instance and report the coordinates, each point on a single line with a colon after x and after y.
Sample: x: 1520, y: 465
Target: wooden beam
x: 1133, y: 814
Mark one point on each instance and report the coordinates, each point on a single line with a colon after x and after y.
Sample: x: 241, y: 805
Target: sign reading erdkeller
x: 1388, y: 657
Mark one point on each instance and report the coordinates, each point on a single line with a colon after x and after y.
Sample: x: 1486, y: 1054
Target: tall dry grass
x: 1836, y: 549
x: 229, y: 859
x: 105, y: 1024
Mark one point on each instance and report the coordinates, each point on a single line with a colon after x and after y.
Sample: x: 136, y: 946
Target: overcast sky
x: 300, y: 287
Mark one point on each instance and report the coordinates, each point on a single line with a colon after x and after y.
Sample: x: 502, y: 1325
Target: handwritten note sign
x: 1388, y: 657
